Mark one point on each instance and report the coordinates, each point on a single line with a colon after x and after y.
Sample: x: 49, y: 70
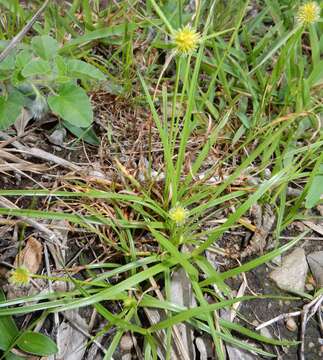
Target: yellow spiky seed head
x: 20, y: 276
x: 129, y: 302
x: 178, y: 214
x: 308, y: 13
x: 186, y: 40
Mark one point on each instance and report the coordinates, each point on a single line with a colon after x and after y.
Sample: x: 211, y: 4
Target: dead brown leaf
x: 30, y: 256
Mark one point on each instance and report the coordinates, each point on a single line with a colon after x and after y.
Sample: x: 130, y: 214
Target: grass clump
x: 234, y: 103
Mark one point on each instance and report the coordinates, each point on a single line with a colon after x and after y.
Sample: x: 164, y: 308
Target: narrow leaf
x: 316, y: 189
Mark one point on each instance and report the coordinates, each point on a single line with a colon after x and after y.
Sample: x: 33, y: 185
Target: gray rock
x: 57, y: 137
x: 291, y: 275
x: 315, y: 261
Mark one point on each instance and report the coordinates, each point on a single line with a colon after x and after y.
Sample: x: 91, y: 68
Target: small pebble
x: 291, y: 324
x: 267, y: 173
x: 126, y: 343
x: 311, y: 345
x: 57, y: 137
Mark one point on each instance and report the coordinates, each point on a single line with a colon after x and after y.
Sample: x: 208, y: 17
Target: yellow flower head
x: 20, y: 276
x: 186, y: 40
x: 308, y: 13
x: 178, y: 214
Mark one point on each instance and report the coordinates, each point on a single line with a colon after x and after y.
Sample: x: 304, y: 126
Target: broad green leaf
x: 45, y: 46
x: 79, y: 69
x: 37, y: 344
x: 10, y: 108
x: 23, y: 58
x: 316, y: 189
x: 8, y: 63
x: 8, y: 329
x: 73, y: 105
x: 88, y: 135
x: 36, y: 67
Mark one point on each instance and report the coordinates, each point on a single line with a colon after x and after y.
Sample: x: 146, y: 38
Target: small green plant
x: 26, y: 340
x: 37, y: 77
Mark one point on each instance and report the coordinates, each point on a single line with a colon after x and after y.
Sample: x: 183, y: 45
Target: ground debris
x: 264, y: 221
x: 71, y: 339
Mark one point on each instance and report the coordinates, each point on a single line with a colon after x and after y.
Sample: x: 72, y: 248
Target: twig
x: 82, y: 331
x: 317, y: 228
x: 308, y: 311
x: 278, y: 318
x: 14, y: 42
x: 41, y: 154
x: 50, y: 235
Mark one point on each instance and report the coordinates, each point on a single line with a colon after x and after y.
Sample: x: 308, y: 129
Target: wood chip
x: 315, y: 227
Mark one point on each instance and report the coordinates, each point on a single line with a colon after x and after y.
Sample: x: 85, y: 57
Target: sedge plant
x: 249, y: 100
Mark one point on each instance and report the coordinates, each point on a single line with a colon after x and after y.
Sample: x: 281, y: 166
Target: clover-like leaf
x: 36, y: 67
x: 8, y: 63
x: 88, y: 135
x: 73, y: 105
x: 45, y: 46
x: 10, y: 108
x: 23, y: 58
